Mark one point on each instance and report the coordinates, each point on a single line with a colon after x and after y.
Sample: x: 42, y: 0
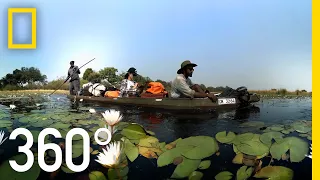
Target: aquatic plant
x: 112, y: 117
x: 110, y: 158
x: 2, y: 139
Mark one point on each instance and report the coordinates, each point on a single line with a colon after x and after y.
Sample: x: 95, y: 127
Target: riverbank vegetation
x: 30, y: 78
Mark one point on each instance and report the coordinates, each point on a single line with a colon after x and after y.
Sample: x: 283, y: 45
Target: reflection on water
x: 169, y: 126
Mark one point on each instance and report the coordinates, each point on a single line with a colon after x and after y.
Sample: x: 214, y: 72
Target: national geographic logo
x: 33, y: 12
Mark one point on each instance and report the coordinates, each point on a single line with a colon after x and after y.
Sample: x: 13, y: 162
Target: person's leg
x: 77, y: 87
x: 71, y: 88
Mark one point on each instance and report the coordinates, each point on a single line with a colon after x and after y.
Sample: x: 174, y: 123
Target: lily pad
x: 35, y: 135
x: 130, y: 150
x: 195, y: 175
x: 254, y: 148
x: 5, y: 123
x: 223, y: 137
x: 242, y: 137
x: 65, y: 169
x: 298, y: 149
x: 205, y: 164
x: 185, y: 168
x: 168, y: 156
x: 113, y: 174
x: 6, y: 171
x: 266, y: 138
x: 202, y: 146
x: 225, y: 175
x: 243, y: 173
x: 97, y: 175
x: 133, y: 131
x: 149, y: 141
x: 301, y: 127
x: 275, y: 173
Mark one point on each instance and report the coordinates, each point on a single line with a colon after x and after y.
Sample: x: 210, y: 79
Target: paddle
x: 70, y: 76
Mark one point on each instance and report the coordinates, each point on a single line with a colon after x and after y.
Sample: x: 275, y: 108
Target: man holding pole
x: 73, y: 74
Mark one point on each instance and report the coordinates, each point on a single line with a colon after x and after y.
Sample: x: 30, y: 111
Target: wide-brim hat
x: 184, y: 64
x: 133, y: 71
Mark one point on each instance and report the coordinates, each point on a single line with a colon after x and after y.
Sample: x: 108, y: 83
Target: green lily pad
x: 168, y: 156
x: 301, y: 127
x: 223, y: 137
x: 60, y: 125
x: 277, y: 128
x: 203, y: 146
x: 97, y: 175
x: 266, y: 138
x: 275, y: 173
x: 65, y: 169
x: 298, y: 149
x: 149, y: 141
x: 131, y: 151
x: 243, y: 173
x: 5, y: 123
x: 195, y: 175
x: 286, y: 132
x: 185, y: 168
x: 133, y: 131
x: 225, y: 175
x: 114, y: 175
x: 242, y: 137
x: 205, y: 164
x: 6, y: 171
x: 254, y: 148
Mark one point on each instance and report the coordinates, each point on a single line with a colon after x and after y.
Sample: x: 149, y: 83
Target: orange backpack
x: 156, y: 88
x: 112, y: 94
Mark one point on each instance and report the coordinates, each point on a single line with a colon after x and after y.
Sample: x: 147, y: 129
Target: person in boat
x: 73, y: 74
x: 128, y: 87
x: 183, y: 87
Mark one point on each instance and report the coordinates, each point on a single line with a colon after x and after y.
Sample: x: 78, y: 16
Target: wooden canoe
x: 168, y: 103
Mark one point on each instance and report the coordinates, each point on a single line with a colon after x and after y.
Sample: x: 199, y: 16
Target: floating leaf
x: 238, y: 159
x: 172, y: 144
x: 205, y: 164
x: 203, y: 146
x: 133, y: 131
x: 195, y: 175
x: 185, y: 168
x: 97, y: 175
x: 298, y: 149
x: 242, y: 137
x: 243, y: 173
x: 178, y: 160
x: 149, y: 141
x: 275, y: 173
x: 168, y: 156
x: 277, y: 128
x: 35, y: 135
x: 266, y: 138
x: 301, y: 127
x: 65, y: 169
x: 254, y: 148
x: 223, y: 137
x: 225, y: 175
x: 6, y: 171
x: 5, y: 123
x: 113, y: 174
x: 130, y: 150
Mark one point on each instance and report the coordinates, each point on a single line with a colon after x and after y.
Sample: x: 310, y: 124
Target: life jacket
x: 112, y: 94
x: 155, y: 88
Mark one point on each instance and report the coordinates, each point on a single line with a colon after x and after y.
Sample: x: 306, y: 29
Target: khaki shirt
x: 180, y: 87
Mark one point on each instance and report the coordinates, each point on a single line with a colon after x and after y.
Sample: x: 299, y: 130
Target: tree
x: 86, y: 73
x: 109, y: 73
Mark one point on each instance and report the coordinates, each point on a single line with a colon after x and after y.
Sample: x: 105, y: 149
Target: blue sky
x: 259, y: 44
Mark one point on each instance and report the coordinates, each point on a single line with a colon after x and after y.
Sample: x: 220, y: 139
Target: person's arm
x: 185, y: 89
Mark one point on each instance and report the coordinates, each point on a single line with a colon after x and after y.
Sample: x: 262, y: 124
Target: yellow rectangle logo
x: 33, y: 12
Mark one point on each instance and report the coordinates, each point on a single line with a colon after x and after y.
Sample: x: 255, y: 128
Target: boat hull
x: 167, y: 103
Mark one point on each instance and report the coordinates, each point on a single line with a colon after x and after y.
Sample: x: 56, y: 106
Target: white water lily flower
x: 81, y: 100
x: 111, y: 156
x: 12, y: 106
x: 1, y: 137
x: 310, y: 155
x: 37, y: 104
x: 112, y: 117
x: 92, y: 110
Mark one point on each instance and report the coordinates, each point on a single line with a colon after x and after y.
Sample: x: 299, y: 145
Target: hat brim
x: 180, y: 70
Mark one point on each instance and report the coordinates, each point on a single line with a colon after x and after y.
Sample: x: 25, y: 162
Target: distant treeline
x: 31, y: 78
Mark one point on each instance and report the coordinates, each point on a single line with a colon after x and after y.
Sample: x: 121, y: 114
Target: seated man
x: 182, y: 86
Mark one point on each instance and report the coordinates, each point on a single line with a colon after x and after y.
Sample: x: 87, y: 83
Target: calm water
x: 169, y: 126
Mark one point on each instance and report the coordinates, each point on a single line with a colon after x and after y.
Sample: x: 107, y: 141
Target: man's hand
x: 212, y: 97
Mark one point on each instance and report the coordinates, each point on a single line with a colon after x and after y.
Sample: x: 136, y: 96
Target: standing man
x: 73, y: 74
x: 183, y: 87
